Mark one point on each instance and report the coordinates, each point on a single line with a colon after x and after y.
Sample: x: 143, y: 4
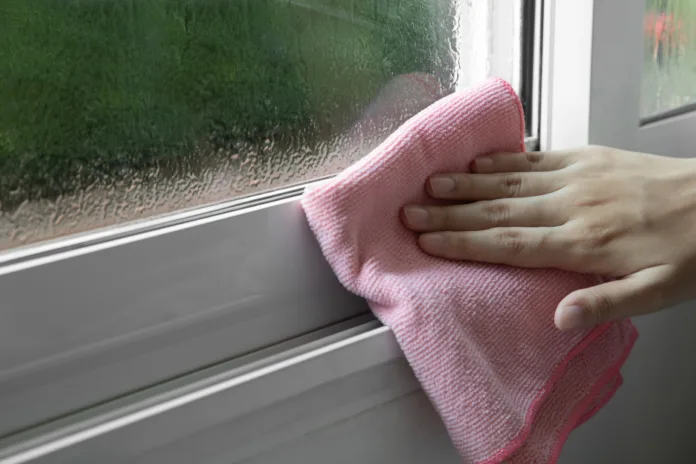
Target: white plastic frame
x: 591, y: 84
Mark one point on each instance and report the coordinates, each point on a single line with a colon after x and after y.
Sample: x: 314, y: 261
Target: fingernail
x: 441, y: 185
x: 573, y: 317
x: 416, y: 216
x: 432, y: 242
x: 482, y: 163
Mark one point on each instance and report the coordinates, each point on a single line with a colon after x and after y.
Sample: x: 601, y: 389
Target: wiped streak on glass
x: 119, y: 110
x: 488, y: 39
x: 669, y: 64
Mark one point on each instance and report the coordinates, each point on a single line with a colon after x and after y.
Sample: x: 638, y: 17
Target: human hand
x: 624, y: 215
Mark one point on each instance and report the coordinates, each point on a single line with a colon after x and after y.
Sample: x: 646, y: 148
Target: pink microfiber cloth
x: 480, y: 338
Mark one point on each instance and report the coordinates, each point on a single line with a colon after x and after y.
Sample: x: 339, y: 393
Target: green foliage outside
x: 92, y: 90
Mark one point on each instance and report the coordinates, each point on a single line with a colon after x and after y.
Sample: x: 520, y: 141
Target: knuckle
x: 512, y: 242
x: 533, y: 158
x: 595, y: 237
x: 589, y: 200
x: 602, y: 155
x: 497, y: 214
x: 589, y: 157
x: 601, y: 307
x: 569, y: 252
x: 511, y: 185
x: 446, y: 219
x: 657, y: 295
x: 457, y: 244
x: 596, y: 150
x: 661, y: 294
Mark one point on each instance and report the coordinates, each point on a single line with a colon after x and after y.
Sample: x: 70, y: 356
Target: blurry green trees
x: 93, y: 89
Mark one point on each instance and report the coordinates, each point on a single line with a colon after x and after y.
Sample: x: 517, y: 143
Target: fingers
x: 641, y: 293
x: 473, y: 187
x: 531, y: 247
x: 522, y: 212
x: 522, y: 162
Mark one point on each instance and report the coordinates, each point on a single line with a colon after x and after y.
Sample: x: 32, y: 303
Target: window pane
x: 119, y: 110
x: 669, y: 72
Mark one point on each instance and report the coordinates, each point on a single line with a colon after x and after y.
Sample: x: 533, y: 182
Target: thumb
x: 639, y: 293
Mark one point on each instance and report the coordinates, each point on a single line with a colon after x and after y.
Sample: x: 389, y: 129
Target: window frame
x: 229, y: 320
x: 583, y: 102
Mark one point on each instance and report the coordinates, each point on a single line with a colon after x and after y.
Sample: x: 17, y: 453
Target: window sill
x: 242, y: 412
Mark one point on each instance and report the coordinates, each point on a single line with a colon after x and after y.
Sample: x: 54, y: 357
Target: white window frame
x: 593, y: 65
x: 250, y: 275
x: 257, y: 280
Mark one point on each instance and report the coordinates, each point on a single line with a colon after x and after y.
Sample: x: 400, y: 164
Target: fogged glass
x: 669, y: 71
x: 119, y: 110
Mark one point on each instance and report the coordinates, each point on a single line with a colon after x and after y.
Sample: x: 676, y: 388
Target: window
x: 151, y: 156
x: 119, y: 110
x: 669, y: 73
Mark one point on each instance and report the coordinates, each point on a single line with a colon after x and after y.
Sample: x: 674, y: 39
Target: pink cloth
x: 480, y: 338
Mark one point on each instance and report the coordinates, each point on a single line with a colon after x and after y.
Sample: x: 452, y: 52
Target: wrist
x: 676, y: 196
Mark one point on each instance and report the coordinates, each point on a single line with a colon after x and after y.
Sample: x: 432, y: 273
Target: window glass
x: 669, y: 71
x: 120, y: 110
